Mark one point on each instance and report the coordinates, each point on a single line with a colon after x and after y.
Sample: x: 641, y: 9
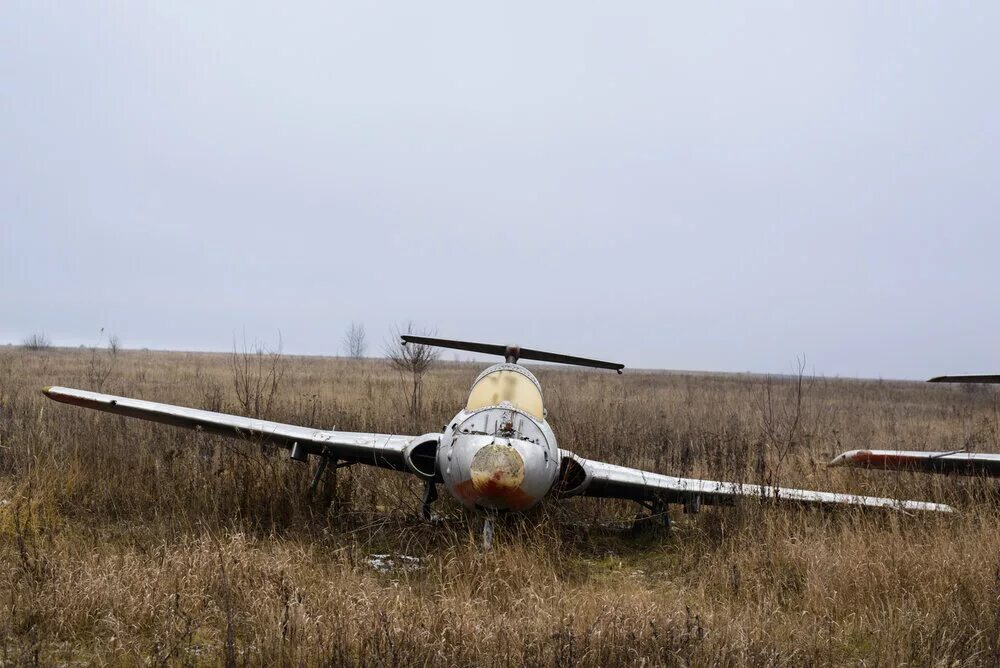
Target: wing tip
x: 923, y: 506
x: 846, y: 458
x: 930, y: 506
x: 56, y: 393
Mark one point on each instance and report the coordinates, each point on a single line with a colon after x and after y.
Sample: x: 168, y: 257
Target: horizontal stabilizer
x: 983, y: 378
x: 512, y: 353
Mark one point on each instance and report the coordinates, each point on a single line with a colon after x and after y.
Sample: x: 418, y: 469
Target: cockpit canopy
x: 507, y: 382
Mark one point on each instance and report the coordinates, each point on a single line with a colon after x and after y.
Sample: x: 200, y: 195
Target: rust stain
x: 497, y: 467
x: 869, y: 458
x: 467, y: 492
x: 506, y: 497
x: 497, y: 472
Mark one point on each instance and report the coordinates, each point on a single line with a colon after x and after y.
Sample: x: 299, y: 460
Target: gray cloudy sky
x: 696, y: 186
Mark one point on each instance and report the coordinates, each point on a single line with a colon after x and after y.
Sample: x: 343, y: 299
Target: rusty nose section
x: 497, y: 471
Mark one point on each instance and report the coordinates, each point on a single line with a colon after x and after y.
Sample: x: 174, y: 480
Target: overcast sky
x: 686, y: 186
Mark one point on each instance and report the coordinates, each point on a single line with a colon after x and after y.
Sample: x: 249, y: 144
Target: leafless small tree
x: 102, y: 363
x: 787, y: 421
x: 99, y: 370
x: 355, y: 343
x: 257, y: 374
x: 114, y: 344
x: 37, y: 341
x: 412, y: 361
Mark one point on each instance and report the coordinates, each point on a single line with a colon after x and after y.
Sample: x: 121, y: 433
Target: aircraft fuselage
x: 500, y: 452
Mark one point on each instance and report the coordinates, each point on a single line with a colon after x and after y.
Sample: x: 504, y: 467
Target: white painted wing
x: 609, y: 480
x: 382, y: 450
x: 963, y: 463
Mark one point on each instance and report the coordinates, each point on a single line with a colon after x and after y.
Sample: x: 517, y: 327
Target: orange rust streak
x: 513, y: 497
x: 886, y: 461
x: 467, y: 491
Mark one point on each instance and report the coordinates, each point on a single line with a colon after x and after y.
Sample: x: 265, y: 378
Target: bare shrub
x: 99, y: 369
x: 355, y: 343
x: 114, y: 344
x: 785, y: 422
x: 209, y: 390
x: 102, y: 363
x: 412, y: 361
x: 257, y: 373
x: 37, y: 341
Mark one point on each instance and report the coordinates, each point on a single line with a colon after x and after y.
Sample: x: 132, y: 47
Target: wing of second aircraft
x: 960, y: 462
x: 985, y: 378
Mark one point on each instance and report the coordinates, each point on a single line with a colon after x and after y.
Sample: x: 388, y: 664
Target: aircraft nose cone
x: 497, y: 470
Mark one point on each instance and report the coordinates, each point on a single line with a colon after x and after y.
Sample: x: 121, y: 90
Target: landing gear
x: 430, y: 496
x: 324, y: 461
x: 657, y: 519
x: 692, y: 506
x: 323, y: 475
x: 488, y: 533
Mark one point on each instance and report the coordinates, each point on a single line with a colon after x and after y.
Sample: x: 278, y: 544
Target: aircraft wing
x: 384, y: 450
x: 988, y: 378
x: 609, y: 480
x: 963, y: 463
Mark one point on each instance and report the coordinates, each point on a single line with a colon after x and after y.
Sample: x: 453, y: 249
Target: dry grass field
x: 126, y: 542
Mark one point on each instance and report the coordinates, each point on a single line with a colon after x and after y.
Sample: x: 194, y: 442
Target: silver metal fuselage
x: 501, y: 456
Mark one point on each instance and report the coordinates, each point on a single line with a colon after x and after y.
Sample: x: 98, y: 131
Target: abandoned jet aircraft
x: 497, y: 453
x: 960, y: 462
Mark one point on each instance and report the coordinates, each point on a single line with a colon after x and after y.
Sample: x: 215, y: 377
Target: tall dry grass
x: 125, y: 541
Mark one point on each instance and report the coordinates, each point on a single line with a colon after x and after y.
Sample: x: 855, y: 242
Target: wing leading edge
x: 960, y: 462
x: 383, y: 450
x: 612, y: 481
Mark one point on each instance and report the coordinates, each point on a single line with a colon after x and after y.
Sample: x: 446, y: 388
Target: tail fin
x: 511, y: 353
x: 985, y: 378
